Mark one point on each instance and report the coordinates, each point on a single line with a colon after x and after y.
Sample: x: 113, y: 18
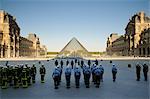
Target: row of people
x: 19, y: 76
x: 96, y: 71
x: 138, y: 71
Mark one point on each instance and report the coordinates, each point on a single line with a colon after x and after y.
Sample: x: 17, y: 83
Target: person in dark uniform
x: 145, y: 71
x: 33, y: 73
x: 76, y: 60
x: 77, y: 75
x: 4, y: 78
x: 67, y: 63
x: 82, y: 63
x: 56, y: 75
x: 96, y: 62
x: 1, y: 69
x: 56, y: 63
x: 24, y: 78
x: 16, y: 80
x: 61, y: 64
x: 10, y: 75
x: 138, y: 70
x: 89, y: 63
x: 72, y: 64
x: 28, y: 73
x: 42, y: 72
x: 114, y: 72
x: 68, y: 76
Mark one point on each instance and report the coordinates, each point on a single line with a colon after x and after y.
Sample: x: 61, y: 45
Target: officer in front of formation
x: 68, y: 76
x: 145, y: 71
x: 114, y: 72
x: 87, y: 75
x: 42, y: 72
x: 77, y: 75
x: 33, y: 73
x: 138, y: 70
x: 56, y: 77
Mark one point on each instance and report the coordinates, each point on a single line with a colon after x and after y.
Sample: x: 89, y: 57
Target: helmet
x: 113, y: 64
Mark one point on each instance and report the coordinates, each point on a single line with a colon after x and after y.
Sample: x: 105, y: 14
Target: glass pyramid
x: 73, y: 49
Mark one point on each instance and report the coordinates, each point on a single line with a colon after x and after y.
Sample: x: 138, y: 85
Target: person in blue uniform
x: 114, y: 72
x: 56, y: 75
x: 77, y: 75
x: 102, y: 72
x: 87, y: 75
x: 68, y: 76
x: 93, y: 68
x: 97, y: 74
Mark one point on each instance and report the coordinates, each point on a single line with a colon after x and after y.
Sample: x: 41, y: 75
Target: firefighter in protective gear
x: 4, y: 78
x: 68, y: 76
x: 28, y: 73
x: 24, y: 78
x: 33, y: 73
x: 1, y: 68
x: 16, y: 79
x: 42, y: 72
x: 56, y: 75
x: 10, y: 75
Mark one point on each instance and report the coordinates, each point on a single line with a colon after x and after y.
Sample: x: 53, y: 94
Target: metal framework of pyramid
x: 74, y: 49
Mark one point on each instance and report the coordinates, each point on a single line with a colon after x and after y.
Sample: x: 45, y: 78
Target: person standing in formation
x: 68, y: 76
x: 114, y: 72
x: 138, y: 70
x: 42, y: 72
x: 145, y: 71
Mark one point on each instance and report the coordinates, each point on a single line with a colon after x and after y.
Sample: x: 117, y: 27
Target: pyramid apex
x: 74, y: 38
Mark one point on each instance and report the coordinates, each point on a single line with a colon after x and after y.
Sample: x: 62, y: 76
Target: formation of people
x: 92, y: 71
x: 20, y: 75
x: 76, y: 68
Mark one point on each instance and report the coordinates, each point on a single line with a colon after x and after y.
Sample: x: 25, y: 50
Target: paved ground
x: 126, y: 86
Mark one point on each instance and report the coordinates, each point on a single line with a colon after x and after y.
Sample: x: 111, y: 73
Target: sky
x: 56, y: 22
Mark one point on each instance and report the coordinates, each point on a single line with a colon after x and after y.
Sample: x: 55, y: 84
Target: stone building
x: 12, y: 44
x: 136, y: 25
x: 129, y: 43
x: 26, y: 48
x: 9, y: 35
x: 110, y: 41
x: 144, y: 43
x: 31, y: 47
